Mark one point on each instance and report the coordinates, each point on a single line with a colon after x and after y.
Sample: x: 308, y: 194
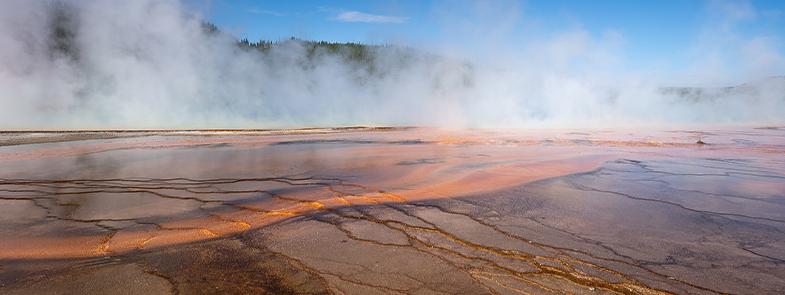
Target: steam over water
x: 150, y: 64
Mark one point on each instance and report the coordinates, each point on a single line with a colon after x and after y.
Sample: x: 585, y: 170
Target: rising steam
x: 152, y: 64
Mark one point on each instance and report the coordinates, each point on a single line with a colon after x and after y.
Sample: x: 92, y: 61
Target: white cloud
x: 359, y: 17
x: 262, y: 11
x: 731, y: 12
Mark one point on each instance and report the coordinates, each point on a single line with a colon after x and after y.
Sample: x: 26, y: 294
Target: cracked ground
x: 398, y: 212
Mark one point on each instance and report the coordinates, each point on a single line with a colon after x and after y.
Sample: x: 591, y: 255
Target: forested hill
x: 65, y: 26
x: 350, y: 52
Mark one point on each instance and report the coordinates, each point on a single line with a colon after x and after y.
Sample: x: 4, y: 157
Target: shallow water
x: 417, y: 211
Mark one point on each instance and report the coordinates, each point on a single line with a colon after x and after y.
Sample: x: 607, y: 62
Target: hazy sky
x: 679, y: 42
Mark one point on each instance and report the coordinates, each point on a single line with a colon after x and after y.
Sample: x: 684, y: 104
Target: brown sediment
x: 404, y: 212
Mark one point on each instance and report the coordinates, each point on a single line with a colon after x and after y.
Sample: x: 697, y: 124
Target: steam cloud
x: 150, y: 64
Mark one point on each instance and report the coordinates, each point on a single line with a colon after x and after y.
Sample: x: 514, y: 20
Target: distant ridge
x: 775, y: 80
x: 769, y: 86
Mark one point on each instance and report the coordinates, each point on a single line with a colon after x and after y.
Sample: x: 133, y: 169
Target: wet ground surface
x: 415, y: 211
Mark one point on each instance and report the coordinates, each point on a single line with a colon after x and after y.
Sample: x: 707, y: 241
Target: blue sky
x: 672, y: 42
